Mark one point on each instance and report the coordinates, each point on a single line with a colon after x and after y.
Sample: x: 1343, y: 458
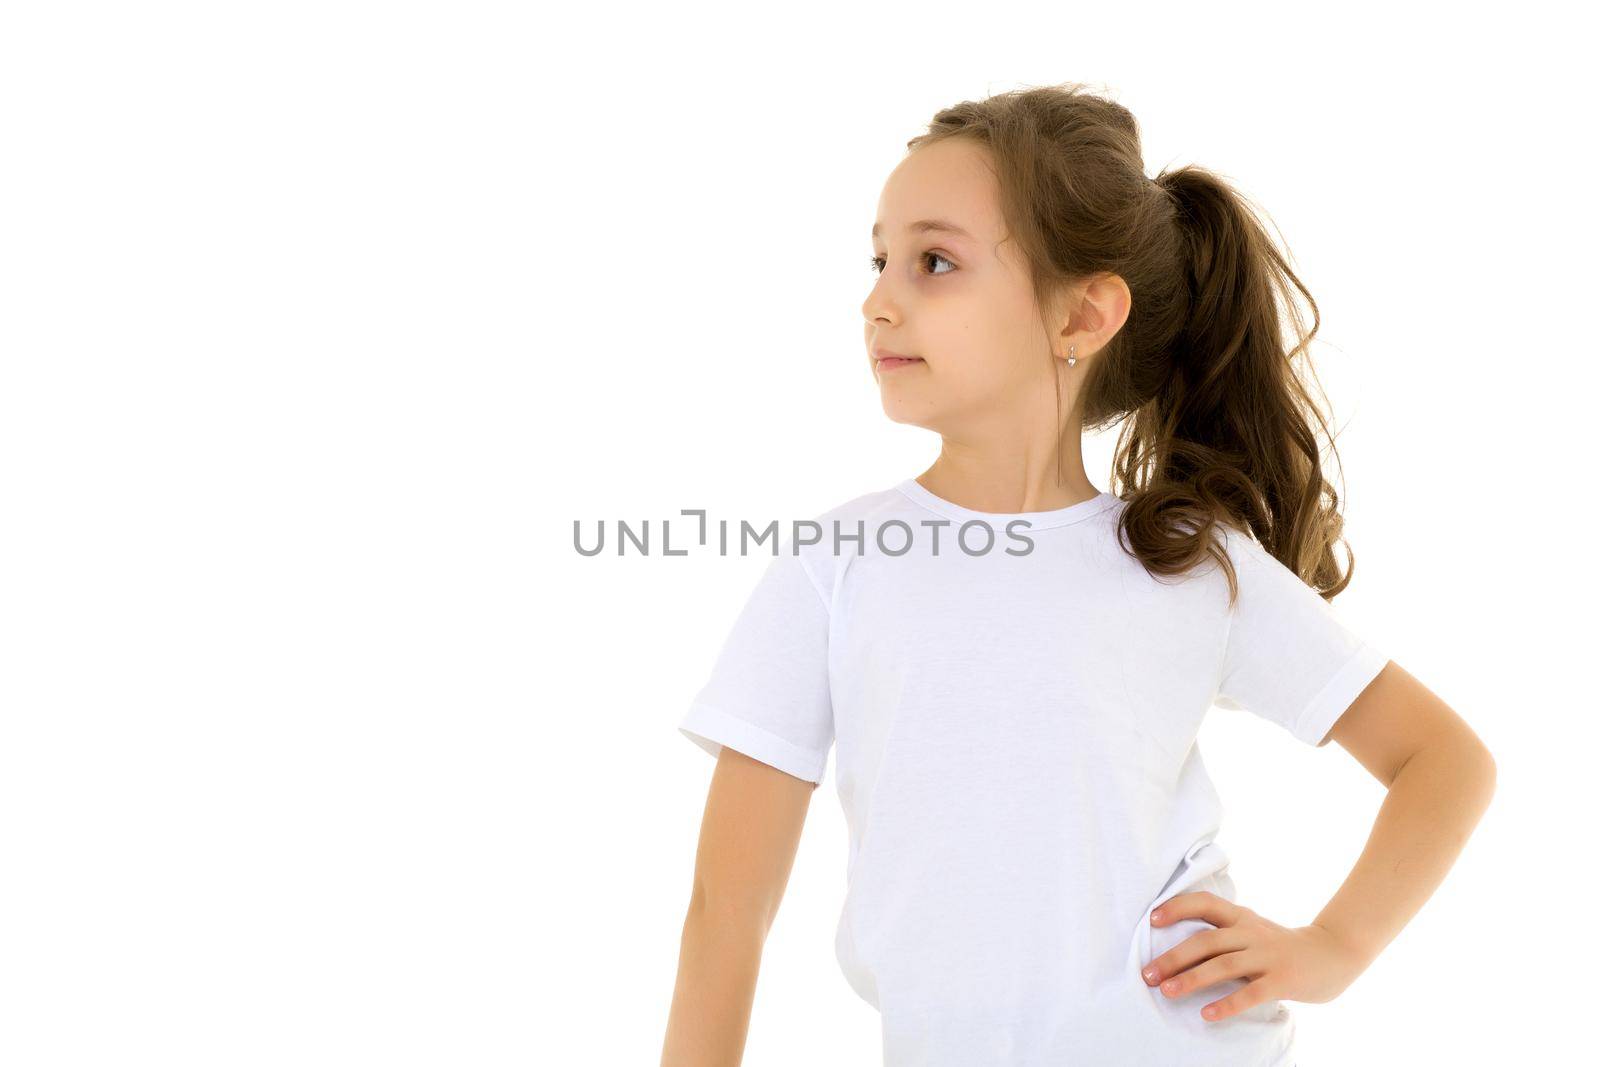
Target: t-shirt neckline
x: 1037, y: 520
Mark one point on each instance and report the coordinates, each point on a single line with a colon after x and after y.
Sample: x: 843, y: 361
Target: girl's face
x: 950, y: 292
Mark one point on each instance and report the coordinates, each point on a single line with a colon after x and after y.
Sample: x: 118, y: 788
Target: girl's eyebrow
x: 928, y: 226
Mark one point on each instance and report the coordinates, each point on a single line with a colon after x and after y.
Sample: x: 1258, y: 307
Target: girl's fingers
x: 1190, y: 951
x: 1202, y: 904
x: 1239, y: 1000
x: 1220, y: 968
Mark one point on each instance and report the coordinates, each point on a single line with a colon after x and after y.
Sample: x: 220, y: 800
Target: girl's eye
x: 878, y: 264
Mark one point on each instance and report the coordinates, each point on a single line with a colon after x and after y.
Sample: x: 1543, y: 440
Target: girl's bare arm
x: 1440, y: 777
x: 748, y: 837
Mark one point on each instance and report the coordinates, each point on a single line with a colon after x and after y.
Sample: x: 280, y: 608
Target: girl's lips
x: 896, y: 361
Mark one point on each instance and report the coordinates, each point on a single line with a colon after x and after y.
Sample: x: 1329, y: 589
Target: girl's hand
x: 1306, y: 963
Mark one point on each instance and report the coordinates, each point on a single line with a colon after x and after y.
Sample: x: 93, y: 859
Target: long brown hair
x: 1217, y: 423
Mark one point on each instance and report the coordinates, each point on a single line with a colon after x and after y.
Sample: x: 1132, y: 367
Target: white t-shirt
x: 1017, y: 764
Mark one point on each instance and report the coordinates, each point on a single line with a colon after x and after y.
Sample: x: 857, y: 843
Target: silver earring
x: 1072, y: 357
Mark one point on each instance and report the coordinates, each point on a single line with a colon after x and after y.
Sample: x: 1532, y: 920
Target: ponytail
x: 1216, y: 423
x: 1236, y: 418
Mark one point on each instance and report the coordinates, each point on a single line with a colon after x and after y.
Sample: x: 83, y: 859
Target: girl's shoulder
x: 827, y: 538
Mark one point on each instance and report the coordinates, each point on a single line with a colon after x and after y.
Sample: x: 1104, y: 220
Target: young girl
x: 1014, y: 663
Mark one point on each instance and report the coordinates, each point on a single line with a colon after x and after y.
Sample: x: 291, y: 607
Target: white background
x: 322, y: 323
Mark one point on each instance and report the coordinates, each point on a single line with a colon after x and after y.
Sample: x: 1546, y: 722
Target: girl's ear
x: 1102, y: 306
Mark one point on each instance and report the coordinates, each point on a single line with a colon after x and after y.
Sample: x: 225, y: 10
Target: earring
x: 1072, y: 357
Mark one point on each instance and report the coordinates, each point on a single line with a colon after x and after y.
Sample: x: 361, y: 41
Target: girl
x: 1015, y: 663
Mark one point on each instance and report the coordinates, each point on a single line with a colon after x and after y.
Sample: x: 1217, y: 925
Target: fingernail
x: 1154, y: 915
x: 1170, y: 985
x: 1150, y: 974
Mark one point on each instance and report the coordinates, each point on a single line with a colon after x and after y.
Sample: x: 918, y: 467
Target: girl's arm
x: 748, y: 838
x: 1440, y: 778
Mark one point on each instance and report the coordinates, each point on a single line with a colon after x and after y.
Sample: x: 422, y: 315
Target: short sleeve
x: 1289, y: 657
x: 768, y: 695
